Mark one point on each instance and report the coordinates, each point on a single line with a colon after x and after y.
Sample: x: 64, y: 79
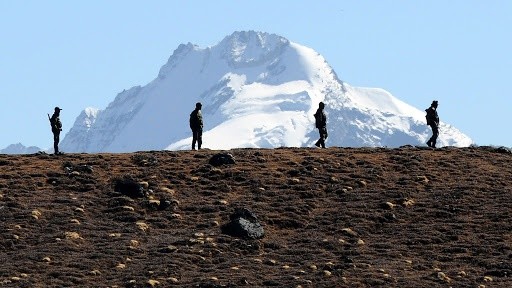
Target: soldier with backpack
x: 321, y: 125
x: 56, y: 128
x: 196, y: 124
x: 433, y: 122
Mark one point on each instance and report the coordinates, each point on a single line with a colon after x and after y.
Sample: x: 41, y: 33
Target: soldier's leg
x: 429, y: 142
x: 323, y: 136
x: 435, y: 134
x: 194, y: 139
x: 56, y: 142
x: 199, y: 138
x: 318, y: 142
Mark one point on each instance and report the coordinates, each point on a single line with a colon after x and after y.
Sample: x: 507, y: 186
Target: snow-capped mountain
x: 19, y: 149
x: 257, y: 90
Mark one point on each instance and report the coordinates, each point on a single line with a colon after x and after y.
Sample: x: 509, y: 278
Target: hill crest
x: 349, y: 217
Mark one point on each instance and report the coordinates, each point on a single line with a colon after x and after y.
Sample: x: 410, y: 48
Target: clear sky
x: 76, y: 54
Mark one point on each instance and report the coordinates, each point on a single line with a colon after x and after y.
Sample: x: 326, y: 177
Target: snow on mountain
x: 257, y: 90
x: 19, y: 149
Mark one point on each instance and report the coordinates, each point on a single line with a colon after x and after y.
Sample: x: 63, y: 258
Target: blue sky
x: 76, y: 54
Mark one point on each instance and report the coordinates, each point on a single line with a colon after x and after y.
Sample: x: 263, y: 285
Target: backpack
x: 430, y: 115
x: 318, y: 119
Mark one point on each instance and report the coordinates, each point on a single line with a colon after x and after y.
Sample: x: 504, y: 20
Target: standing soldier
x: 321, y: 124
x: 56, y: 128
x: 196, y: 124
x: 433, y: 122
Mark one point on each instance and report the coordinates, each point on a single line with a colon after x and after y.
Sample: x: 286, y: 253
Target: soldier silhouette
x: 433, y: 122
x: 56, y: 128
x: 196, y: 124
x: 321, y: 125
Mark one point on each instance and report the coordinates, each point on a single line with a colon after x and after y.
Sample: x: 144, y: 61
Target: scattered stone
x: 95, y: 272
x: 441, y: 276
x: 222, y: 159
x: 144, y: 184
x: 134, y: 243
x: 154, y: 203
x: 423, y: 179
x: 81, y: 210
x: 165, y: 204
x: 47, y: 259
x: 327, y: 273
x: 389, y: 205
x: 168, y: 249
x: 488, y: 279
x: 167, y: 190
x: 221, y: 202
x: 153, y: 283
x: 128, y: 208
x: 75, y: 221
x: 36, y: 214
x: 349, y: 232
x: 408, y: 202
x: 173, y: 279
x: 142, y: 226
x: 72, y: 235
x: 121, y: 266
x: 362, y: 183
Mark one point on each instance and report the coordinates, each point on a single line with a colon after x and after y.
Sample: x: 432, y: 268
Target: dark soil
x: 336, y: 217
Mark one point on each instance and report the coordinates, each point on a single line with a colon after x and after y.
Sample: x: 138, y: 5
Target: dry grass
x: 338, y: 217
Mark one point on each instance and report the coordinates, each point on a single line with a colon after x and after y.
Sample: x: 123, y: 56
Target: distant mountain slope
x: 19, y: 149
x: 257, y: 90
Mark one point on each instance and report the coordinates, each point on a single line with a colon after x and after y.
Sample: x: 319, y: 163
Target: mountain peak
x: 249, y: 48
x: 258, y: 90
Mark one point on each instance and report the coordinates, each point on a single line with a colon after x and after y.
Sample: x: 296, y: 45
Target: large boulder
x: 129, y: 187
x: 222, y: 159
x: 244, y: 224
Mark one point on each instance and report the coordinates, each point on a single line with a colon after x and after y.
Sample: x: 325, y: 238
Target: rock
x: 349, y: 232
x: 244, y: 224
x: 129, y: 187
x: 142, y: 226
x: 168, y: 249
x: 72, y: 235
x: 441, y: 276
x: 164, y: 204
x: 388, y: 205
x: 222, y: 159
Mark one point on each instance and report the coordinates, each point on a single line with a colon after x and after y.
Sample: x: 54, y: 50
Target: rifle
x: 50, y: 119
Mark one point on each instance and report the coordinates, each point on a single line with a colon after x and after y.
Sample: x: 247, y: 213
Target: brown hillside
x: 338, y: 217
